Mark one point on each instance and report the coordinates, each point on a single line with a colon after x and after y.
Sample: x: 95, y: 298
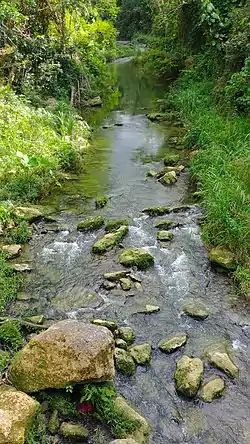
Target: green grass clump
x: 20, y: 234
x: 102, y: 395
x: 9, y: 283
x: 4, y: 360
x: 10, y: 335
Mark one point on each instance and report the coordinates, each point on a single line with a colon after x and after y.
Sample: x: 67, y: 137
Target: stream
x: 66, y: 280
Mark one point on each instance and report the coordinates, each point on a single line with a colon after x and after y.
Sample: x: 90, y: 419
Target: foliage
x: 37, y: 432
x: 9, y: 283
x: 135, y: 16
x: 4, y: 360
x: 102, y: 396
x: 10, y: 335
x: 60, y: 401
x: 20, y: 234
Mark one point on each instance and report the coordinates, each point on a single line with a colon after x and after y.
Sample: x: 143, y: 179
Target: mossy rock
x: 164, y: 224
x: 30, y: 214
x: 136, y: 257
x: 12, y: 251
x: 111, y: 325
x: 168, y: 178
x: 73, y: 431
x: 219, y: 358
x: 127, y: 334
x: 171, y: 159
x: 126, y: 284
x: 196, y: 309
x: 188, y: 376
x: 143, y: 429
x: 141, y: 353
x: 223, y: 257
x: 156, y: 211
x: 157, y: 117
x: 90, y: 224
x: 113, y: 225
x: 101, y: 202
x: 110, y: 240
x: 124, y: 362
x: 54, y: 423
x: 120, y: 343
x: 151, y: 173
x: 211, y: 389
x: 115, y: 275
x: 172, y: 343
x: 164, y: 236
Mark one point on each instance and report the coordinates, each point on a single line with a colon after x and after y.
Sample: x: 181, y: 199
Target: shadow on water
x: 67, y: 278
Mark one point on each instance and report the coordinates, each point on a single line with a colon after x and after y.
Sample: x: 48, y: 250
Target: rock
x: 149, y: 309
x: 23, y: 296
x: 141, y: 353
x: 90, y: 224
x: 181, y: 208
x: 143, y: 429
x: 138, y: 285
x: 113, y: 225
x: 120, y: 343
x: 164, y: 236
x: 223, y: 257
x: 74, y: 431
x: 134, y: 277
x: 171, y: 159
x: 109, y: 285
x: 118, y: 124
x: 51, y: 227
x: 111, y: 325
x: 124, y: 441
x: 101, y: 201
x: 164, y: 224
x: 172, y: 343
x: 30, y: 214
x: 116, y: 275
x: 176, y: 169
x: 136, y: 257
x: 213, y: 388
x: 156, y: 211
x: 21, y: 267
x: 96, y: 101
x: 188, y: 376
x: 16, y: 413
x: 127, y: 334
x: 77, y: 297
x: 68, y: 352
x: 196, y: 309
x: 38, y: 319
x: 124, y: 362
x: 125, y: 284
x: 168, y: 178
x: 151, y: 173
x: 12, y: 250
x: 109, y: 241
x: 219, y: 358
x: 54, y: 424
x: 157, y: 117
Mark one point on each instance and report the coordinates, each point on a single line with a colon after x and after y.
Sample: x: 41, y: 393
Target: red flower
x: 86, y: 407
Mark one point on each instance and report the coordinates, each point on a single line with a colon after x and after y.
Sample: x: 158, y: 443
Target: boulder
x: 168, y: 178
x: 172, y: 343
x: 109, y: 241
x: 136, y: 257
x: 116, y: 275
x: 127, y: 334
x: 30, y: 214
x: 171, y: 159
x: 164, y: 224
x: 96, y: 101
x: 196, y: 309
x: 74, y: 431
x: 164, y: 236
x: 12, y: 250
x: 156, y: 211
x: 219, y: 358
x: 90, y: 224
x: 211, y: 389
x: 68, y: 352
x: 223, y: 257
x: 111, y: 325
x: 141, y: 434
x: 125, y: 284
x: 188, y: 376
x: 101, y: 201
x: 124, y: 362
x: 16, y: 413
x: 141, y: 353
x: 113, y: 225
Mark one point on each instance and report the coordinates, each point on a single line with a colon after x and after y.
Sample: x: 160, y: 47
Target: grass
x: 19, y: 235
x: 222, y: 168
x: 9, y: 283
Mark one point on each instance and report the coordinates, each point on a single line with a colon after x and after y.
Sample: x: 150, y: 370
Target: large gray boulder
x: 68, y: 352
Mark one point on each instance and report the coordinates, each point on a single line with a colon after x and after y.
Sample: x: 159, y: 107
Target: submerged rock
x: 110, y: 240
x: 164, y: 223
x: 168, y: 178
x: 223, y: 257
x: 68, y: 352
x: 164, y: 236
x: 171, y: 159
x: 30, y: 214
x: 219, y: 358
x: 111, y: 325
x: 124, y: 362
x: 116, y: 275
x: 141, y: 353
x: 188, y: 376
x: 113, y: 225
x: 196, y: 309
x: 17, y: 411
x: 142, y: 430
x: 90, y: 224
x: 74, y: 431
x: 172, y: 343
x: 125, y: 284
x: 211, y: 389
x: 127, y: 334
x: 12, y: 250
x: 136, y: 257
x: 156, y: 211
x: 101, y: 201
x: 74, y: 298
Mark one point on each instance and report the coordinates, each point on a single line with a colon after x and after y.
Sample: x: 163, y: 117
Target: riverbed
x: 66, y: 280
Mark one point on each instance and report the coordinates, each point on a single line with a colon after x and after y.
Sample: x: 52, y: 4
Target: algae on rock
x: 110, y: 240
x: 136, y: 257
x: 141, y: 353
x: 188, y: 375
x: 113, y: 225
x: 124, y: 362
x: 90, y: 224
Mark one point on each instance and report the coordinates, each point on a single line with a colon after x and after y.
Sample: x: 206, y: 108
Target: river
x: 125, y: 146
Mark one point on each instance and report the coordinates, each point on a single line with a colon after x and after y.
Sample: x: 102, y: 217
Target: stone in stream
x: 101, y: 201
x: 134, y: 277
x: 136, y: 257
x: 124, y: 441
x: 120, y: 343
x: 125, y: 284
x: 151, y: 173
x: 124, y: 362
x: 12, y: 251
x: 150, y: 309
x: 138, y: 286
x: 127, y: 334
x: 164, y: 236
x: 113, y: 225
x: 211, y: 389
x: 37, y: 319
x: 73, y: 431
x: 188, y: 376
x: 17, y: 411
x: 21, y: 267
x: 90, y: 224
x: 158, y: 117
x: 110, y: 240
x: 30, y: 214
x: 163, y: 223
x: 68, y: 352
x: 223, y: 257
x: 141, y: 353
x: 168, y: 178
x: 156, y: 211
x: 109, y: 285
x: 116, y: 275
x: 196, y: 309
x: 171, y: 159
x: 172, y: 343
x: 111, y: 325
x: 219, y: 358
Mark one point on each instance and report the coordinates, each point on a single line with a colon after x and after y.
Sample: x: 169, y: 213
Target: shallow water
x: 67, y: 279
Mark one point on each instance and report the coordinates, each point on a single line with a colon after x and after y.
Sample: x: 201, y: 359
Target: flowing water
x: 67, y: 278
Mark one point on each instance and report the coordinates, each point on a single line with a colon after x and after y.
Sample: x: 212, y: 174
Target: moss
x: 90, y: 224
x: 136, y: 257
x: 171, y: 159
x: 164, y: 224
x: 54, y: 422
x: 113, y: 225
x: 4, y: 360
x: 9, y: 282
x: 10, y: 335
x: 109, y: 241
x: 156, y: 211
x: 37, y: 432
x: 101, y: 201
x: 124, y: 362
x: 60, y: 401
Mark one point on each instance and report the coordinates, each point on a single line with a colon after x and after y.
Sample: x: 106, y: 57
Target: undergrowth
x: 9, y: 282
